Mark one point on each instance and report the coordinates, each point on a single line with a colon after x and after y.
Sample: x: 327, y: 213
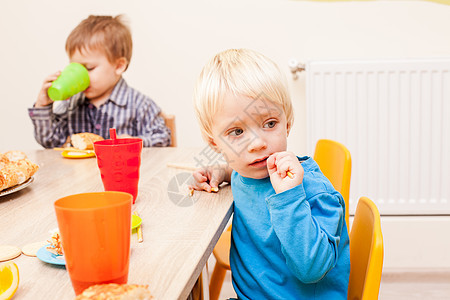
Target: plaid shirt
x: 127, y: 110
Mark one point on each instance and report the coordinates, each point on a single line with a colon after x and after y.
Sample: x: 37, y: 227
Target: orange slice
x: 9, y: 280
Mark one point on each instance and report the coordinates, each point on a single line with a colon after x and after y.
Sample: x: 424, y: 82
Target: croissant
x: 15, y: 168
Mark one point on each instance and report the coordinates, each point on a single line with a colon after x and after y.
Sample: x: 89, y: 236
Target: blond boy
x: 289, y: 237
x: 103, y: 45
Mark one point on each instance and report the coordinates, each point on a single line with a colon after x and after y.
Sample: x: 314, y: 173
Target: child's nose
x: 256, y: 144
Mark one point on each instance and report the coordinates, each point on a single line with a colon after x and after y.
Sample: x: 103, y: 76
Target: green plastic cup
x: 73, y: 79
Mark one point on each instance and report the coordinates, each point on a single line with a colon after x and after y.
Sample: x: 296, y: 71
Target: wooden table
x: 179, y: 233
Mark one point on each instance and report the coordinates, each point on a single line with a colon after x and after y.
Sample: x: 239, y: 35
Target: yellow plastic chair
x: 335, y: 163
x: 222, y: 254
x: 170, y: 123
x: 366, y: 252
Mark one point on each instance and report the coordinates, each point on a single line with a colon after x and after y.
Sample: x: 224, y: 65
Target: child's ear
x: 213, y: 145
x: 288, y: 128
x: 121, y: 65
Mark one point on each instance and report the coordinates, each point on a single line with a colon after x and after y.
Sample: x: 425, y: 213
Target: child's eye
x: 270, y: 124
x: 236, y: 132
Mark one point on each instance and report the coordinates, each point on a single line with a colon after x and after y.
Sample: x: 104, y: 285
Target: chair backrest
x: 335, y: 163
x: 366, y: 252
x: 170, y: 123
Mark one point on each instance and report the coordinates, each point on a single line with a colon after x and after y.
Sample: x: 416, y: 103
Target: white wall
x: 173, y: 39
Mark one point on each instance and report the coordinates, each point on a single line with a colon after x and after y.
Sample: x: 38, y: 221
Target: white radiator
x: 394, y: 117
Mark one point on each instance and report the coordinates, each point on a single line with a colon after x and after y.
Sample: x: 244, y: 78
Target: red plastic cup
x: 95, y: 231
x: 119, y: 161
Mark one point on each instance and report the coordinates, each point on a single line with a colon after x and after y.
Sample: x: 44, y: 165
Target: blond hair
x: 105, y: 33
x: 240, y: 72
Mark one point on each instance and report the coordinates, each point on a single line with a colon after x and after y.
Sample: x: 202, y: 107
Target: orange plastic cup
x: 95, y: 230
x: 119, y: 161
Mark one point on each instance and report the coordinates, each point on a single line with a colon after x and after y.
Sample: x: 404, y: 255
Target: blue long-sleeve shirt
x: 127, y: 110
x: 291, y: 245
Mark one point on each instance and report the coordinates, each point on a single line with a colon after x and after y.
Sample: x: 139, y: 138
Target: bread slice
x: 85, y: 140
x: 114, y: 291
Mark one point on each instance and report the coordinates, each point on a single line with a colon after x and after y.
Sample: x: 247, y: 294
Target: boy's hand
x: 209, y: 178
x: 43, y: 98
x: 278, y: 165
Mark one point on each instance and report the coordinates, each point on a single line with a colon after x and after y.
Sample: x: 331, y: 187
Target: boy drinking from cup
x: 103, y: 45
x: 289, y: 239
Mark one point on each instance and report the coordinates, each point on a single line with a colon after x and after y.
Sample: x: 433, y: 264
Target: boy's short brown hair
x: 105, y: 33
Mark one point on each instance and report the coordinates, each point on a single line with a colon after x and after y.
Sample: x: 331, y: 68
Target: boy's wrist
x: 227, y: 173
